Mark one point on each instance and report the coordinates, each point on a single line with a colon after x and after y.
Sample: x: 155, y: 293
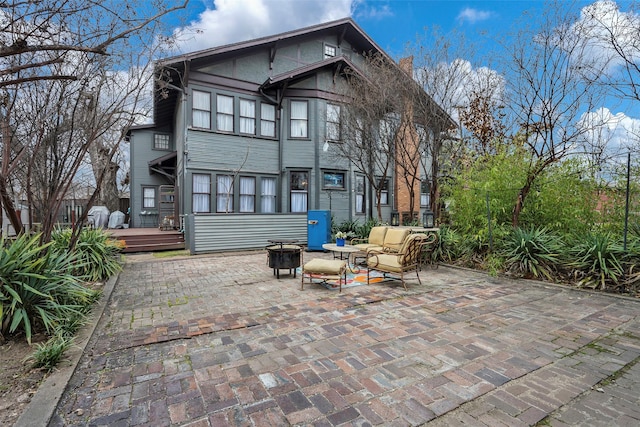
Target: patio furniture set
x: 390, y: 250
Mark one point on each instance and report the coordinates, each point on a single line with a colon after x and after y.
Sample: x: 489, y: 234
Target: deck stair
x: 149, y: 239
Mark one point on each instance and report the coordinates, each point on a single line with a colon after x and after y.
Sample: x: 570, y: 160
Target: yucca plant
x: 532, y: 252
x: 597, y: 261
x: 37, y: 287
x: 96, y: 254
x: 631, y: 265
x: 448, y: 246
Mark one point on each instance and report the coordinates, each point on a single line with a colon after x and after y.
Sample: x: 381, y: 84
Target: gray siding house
x: 240, y: 148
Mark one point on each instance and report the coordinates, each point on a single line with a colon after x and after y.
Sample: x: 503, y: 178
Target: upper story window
x: 268, y: 120
x: 161, y: 141
x: 329, y: 51
x: 299, y: 119
x: 201, y: 109
x: 224, y: 113
x: 333, y: 122
x: 247, y: 116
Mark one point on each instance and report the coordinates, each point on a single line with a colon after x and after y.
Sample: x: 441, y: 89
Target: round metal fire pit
x: 284, y: 257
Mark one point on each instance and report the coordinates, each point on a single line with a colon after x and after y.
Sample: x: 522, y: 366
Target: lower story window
x: 148, y: 197
x: 224, y: 194
x: 360, y: 194
x: 425, y: 191
x: 384, y: 192
x: 333, y: 180
x: 201, y: 193
x: 268, y: 195
x: 247, y: 194
x: 299, y: 186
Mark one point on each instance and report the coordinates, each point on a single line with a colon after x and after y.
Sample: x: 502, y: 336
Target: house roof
x: 346, y: 28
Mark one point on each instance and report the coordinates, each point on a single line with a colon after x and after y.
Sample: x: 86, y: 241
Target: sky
x: 392, y: 24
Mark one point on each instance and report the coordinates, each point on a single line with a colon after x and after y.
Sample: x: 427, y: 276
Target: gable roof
x: 346, y: 28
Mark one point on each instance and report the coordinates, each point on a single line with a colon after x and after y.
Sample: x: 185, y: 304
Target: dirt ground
x: 18, y: 380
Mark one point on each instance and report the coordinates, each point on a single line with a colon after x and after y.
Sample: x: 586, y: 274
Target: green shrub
x: 96, y: 254
x: 37, y: 288
x: 532, y: 252
x: 597, y: 261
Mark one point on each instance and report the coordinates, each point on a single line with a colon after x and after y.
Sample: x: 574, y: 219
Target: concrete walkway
x: 217, y: 340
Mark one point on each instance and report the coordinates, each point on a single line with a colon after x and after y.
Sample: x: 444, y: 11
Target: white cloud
x: 365, y: 10
x: 230, y: 21
x: 611, y: 132
x: 473, y: 15
x: 601, y: 21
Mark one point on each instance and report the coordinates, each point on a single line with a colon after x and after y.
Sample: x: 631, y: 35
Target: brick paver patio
x: 217, y: 340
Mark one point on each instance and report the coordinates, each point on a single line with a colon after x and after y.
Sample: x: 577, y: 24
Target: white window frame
x: 330, y: 51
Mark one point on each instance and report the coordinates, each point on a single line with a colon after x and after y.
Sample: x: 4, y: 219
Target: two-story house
x: 240, y: 147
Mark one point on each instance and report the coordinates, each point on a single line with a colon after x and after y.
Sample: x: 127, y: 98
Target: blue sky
x: 390, y: 23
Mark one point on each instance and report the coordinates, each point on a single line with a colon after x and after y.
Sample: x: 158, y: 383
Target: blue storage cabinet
x: 318, y: 229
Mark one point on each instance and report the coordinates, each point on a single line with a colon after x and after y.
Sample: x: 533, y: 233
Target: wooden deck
x: 149, y: 239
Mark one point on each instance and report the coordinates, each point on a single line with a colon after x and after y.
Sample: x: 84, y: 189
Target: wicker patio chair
x: 400, y: 263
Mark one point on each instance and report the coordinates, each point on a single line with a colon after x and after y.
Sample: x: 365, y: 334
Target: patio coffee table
x: 341, y: 250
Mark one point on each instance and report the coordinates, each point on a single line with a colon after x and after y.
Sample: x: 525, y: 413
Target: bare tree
x: 441, y: 72
x: 548, y: 92
x: 613, y: 40
x: 62, y: 95
x: 371, y: 120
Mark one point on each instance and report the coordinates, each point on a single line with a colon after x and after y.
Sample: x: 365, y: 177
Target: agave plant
x: 597, y: 260
x: 533, y: 252
x: 96, y: 254
x: 37, y: 287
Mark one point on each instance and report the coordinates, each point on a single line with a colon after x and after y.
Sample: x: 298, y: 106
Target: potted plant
x: 340, y: 236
